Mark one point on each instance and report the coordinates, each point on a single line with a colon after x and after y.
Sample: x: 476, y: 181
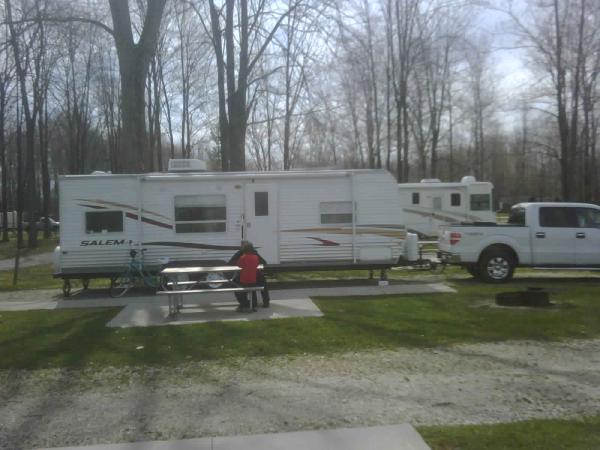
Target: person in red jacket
x: 249, y: 263
x: 261, y: 280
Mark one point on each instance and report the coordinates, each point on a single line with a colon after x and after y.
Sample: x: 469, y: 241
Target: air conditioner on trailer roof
x: 186, y: 165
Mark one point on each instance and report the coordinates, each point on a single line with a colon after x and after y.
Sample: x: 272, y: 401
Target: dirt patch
x: 494, y: 382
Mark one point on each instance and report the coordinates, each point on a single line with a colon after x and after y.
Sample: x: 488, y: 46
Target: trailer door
x: 261, y: 220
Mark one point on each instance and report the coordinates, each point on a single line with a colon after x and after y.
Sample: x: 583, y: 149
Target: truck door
x: 261, y: 220
x: 553, y: 237
x: 587, y: 248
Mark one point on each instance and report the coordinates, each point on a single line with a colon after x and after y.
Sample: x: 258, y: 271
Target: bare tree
x: 108, y: 93
x: 23, y: 58
x: 404, y: 35
x: 134, y: 62
x: 237, y: 52
x: 559, y: 43
x: 6, y: 80
x: 476, y: 53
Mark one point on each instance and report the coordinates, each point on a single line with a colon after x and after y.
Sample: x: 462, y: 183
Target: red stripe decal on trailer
x: 94, y: 206
x: 324, y: 242
x: 149, y: 221
x: 194, y: 245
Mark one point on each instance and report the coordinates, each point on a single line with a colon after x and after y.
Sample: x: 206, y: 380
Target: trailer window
x: 336, y: 212
x: 261, y: 204
x: 103, y: 222
x: 200, y: 214
x: 415, y: 198
x: 558, y: 217
x: 455, y: 199
x: 480, y: 202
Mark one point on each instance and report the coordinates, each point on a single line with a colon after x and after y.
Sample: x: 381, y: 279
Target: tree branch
x: 61, y: 20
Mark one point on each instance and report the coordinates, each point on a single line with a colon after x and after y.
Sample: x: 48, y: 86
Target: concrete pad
x: 202, y: 309
x: 391, y: 437
x: 28, y: 300
x: 219, y: 307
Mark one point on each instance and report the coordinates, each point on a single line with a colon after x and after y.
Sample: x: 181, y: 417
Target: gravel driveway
x: 495, y: 382
x: 27, y: 261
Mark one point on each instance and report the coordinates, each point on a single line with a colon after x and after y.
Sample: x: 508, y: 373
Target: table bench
x: 176, y: 294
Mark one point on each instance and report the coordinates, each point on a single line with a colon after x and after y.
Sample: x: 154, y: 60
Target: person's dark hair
x: 247, y: 247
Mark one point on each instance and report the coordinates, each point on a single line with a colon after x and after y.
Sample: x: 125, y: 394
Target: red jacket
x: 249, y: 263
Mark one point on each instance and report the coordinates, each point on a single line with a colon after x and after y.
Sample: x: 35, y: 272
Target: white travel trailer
x: 431, y: 203
x: 297, y: 220
x: 11, y: 220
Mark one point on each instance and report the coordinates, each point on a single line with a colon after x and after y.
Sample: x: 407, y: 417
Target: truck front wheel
x: 496, y: 266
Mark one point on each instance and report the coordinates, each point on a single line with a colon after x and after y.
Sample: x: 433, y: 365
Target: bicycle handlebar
x: 133, y: 252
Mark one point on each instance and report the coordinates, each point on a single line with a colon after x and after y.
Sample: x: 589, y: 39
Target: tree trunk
x: 134, y: 61
x: 3, y: 162
x: 133, y: 142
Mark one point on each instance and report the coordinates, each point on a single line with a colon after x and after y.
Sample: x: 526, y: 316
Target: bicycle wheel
x: 151, y: 280
x: 120, y: 285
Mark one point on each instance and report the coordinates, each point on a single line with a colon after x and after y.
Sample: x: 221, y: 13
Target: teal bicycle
x: 134, y: 275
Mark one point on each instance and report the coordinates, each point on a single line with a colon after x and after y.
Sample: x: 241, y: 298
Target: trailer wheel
x: 496, y: 266
x: 66, y: 288
x: 436, y: 267
x: 214, y: 276
x: 120, y: 285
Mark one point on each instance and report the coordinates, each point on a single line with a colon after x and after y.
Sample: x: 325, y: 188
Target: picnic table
x: 176, y: 288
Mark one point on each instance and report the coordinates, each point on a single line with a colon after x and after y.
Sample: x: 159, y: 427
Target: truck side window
x: 558, y: 217
x: 517, y: 216
x: 455, y: 199
x: 588, y: 218
x: 415, y: 198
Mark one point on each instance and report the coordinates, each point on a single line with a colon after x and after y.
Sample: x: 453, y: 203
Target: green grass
x: 576, y: 434
x: 502, y: 217
x: 9, y: 249
x: 36, y: 339
x: 35, y: 277
x: 40, y: 277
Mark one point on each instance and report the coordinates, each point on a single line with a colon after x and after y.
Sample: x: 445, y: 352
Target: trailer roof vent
x: 468, y: 179
x: 431, y: 180
x: 186, y: 165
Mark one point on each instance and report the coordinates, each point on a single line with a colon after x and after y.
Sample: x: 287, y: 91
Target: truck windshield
x: 517, y: 216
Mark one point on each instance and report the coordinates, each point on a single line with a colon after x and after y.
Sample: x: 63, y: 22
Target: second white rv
x: 11, y: 220
x: 431, y: 203
x: 297, y: 220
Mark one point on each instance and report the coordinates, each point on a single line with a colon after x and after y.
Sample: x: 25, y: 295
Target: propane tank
x: 411, y: 247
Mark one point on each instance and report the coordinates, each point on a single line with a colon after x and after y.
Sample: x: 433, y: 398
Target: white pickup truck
x: 545, y: 235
